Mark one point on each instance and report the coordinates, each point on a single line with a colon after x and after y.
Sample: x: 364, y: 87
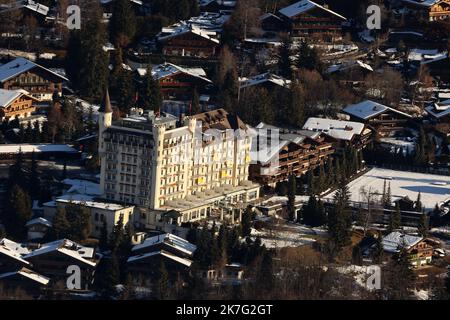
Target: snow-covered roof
x: 168, y: 255
x: 426, y: 56
x: 263, y: 78
x: 304, y: 6
x: 20, y: 65
x: 338, y: 129
x: 36, y: 7
x: 395, y: 240
x: 88, y: 202
x: 9, y: 96
x: 39, y: 220
x: 345, y: 66
x: 440, y: 109
x: 422, y: 3
x: 369, y: 109
x: 183, y: 28
x: 13, y: 250
x: 66, y: 247
x: 82, y: 187
x: 38, y: 148
x: 169, y: 239
x: 27, y: 273
x: 164, y: 70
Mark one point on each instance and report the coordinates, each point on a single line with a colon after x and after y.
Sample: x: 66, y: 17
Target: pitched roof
x: 9, y: 96
x: 220, y: 120
x: 369, y: 109
x: 105, y: 106
x: 168, y: 255
x: 169, y: 239
x: 264, y: 78
x: 440, y: 109
x: 338, y: 129
x: 37, y: 221
x: 20, y: 65
x: 164, y: 70
x: 395, y: 240
x: 304, y: 6
x: 27, y: 273
x: 68, y: 248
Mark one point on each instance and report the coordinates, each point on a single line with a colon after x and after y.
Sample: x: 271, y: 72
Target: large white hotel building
x: 165, y: 165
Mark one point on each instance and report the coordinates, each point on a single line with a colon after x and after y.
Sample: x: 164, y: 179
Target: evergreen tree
x: 378, y: 252
x: 284, y: 59
x: 308, y: 58
x: 291, y: 197
x: 122, y: 23
x: 103, y: 241
x: 399, y: 277
x: 247, y: 222
x: 339, y: 218
x: 17, y: 212
x: 395, y: 219
x: 195, y: 103
x: 61, y: 225
x: 423, y: 225
x: 357, y: 255
x: 418, y: 204
x: 265, y: 274
x: 80, y: 222
x: 150, y: 97
x: 117, y: 236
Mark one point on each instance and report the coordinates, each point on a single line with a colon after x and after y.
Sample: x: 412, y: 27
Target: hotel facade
x: 161, y: 163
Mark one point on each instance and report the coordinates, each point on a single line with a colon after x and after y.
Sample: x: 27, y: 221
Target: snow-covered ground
x: 433, y: 188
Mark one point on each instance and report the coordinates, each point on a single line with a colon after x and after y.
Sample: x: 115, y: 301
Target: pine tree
x: 122, y: 23
x: 150, y: 97
x: 339, y: 218
x: 308, y: 58
x: 284, y: 59
x: 103, y: 241
x: 17, y: 212
x: 399, y: 276
x: 265, y: 275
x: 395, y: 219
x: 423, y: 225
x: 378, y: 251
x: 117, y: 236
x: 357, y: 255
x: 291, y: 197
x: 418, y: 204
x: 247, y: 222
x: 195, y: 104
x: 80, y: 222
x: 61, y: 225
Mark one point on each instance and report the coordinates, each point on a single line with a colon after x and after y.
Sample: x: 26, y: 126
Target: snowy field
x: 434, y: 188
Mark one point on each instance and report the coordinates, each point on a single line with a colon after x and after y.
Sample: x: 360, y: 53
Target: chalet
x: 271, y: 22
x: 267, y: 80
x: 231, y: 274
x: 108, y: 6
x: 16, y: 104
x: 382, y: 119
x: 53, y: 259
x: 440, y: 66
x: 11, y: 255
x: 38, y: 228
x: 341, y: 133
x: 186, y: 40
x: 351, y: 73
x: 431, y: 10
x: 419, y: 249
x: 40, y: 82
x: 216, y: 5
x: 295, y: 153
x: 29, y: 8
x: 24, y: 278
x: 178, y: 82
x: 175, y: 252
x: 439, y: 111
x: 309, y: 20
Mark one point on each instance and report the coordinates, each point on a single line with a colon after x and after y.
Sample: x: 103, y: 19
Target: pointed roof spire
x: 105, y: 107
